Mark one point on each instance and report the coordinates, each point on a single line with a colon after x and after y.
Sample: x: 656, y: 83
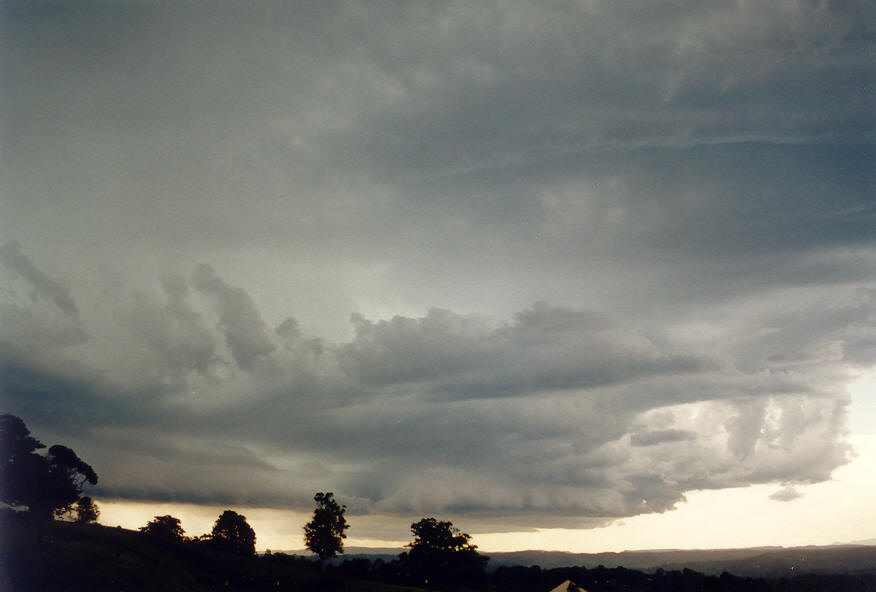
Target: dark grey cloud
x: 203, y: 195
x: 172, y: 330
x: 43, y: 285
x: 239, y: 321
x: 27, y: 321
x: 545, y: 348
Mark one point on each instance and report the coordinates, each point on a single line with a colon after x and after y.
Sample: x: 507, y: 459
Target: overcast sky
x: 532, y: 265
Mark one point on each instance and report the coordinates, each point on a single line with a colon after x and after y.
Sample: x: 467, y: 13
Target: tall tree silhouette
x: 45, y: 484
x: 441, y: 556
x: 324, y: 534
x: 232, y: 533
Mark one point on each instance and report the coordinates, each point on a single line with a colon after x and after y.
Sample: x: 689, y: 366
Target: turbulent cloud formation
x: 550, y: 265
x: 239, y: 321
x: 556, y: 412
x: 43, y: 285
x: 544, y: 349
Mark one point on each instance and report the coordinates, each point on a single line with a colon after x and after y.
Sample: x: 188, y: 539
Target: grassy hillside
x: 98, y: 558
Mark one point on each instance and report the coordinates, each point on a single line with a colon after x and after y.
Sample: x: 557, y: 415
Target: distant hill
x: 848, y: 559
x: 753, y: 561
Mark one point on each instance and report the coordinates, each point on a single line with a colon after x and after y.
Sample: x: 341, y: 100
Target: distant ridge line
x: 768, y: 561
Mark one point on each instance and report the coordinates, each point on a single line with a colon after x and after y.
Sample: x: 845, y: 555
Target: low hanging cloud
x: 555, y: 413
x: 786, y: 494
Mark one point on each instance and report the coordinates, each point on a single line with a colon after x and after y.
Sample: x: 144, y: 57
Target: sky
x: 574, y: 275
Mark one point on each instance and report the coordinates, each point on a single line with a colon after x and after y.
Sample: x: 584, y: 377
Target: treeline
x: 231, y: 533
x: 439, y: 557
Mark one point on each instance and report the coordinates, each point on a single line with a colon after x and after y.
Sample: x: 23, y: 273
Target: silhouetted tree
x: 86, y: 511
x: 21, y: 466
x: 441, y: 556
x: 232, y: 533
x: 15, y: 438
x: 46, y: 484
x: 324, y: 534
x: 67, y: 475
x: 165, y: 527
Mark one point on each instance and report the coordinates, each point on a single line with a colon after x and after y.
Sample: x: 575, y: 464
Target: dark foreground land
x: 98, y: 558
x: 69, y: 556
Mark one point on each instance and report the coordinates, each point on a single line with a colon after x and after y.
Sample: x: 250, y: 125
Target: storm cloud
x: 555, y: 412
x: 43, y: 286
x: 555, y: 264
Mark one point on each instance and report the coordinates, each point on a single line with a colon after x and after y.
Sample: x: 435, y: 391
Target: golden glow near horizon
x: 275, y: 529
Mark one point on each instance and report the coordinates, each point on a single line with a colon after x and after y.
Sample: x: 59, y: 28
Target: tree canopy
x: 324, y: 534
x: 430, y: 534
x: 45, y: 484
x: 85, y: 510
x: 15, y: 438
x: 232, y: 533
x: 166, y: 527
x: 441, y: 556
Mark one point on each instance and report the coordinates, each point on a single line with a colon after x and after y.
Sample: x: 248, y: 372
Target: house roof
x: 568, y: 586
